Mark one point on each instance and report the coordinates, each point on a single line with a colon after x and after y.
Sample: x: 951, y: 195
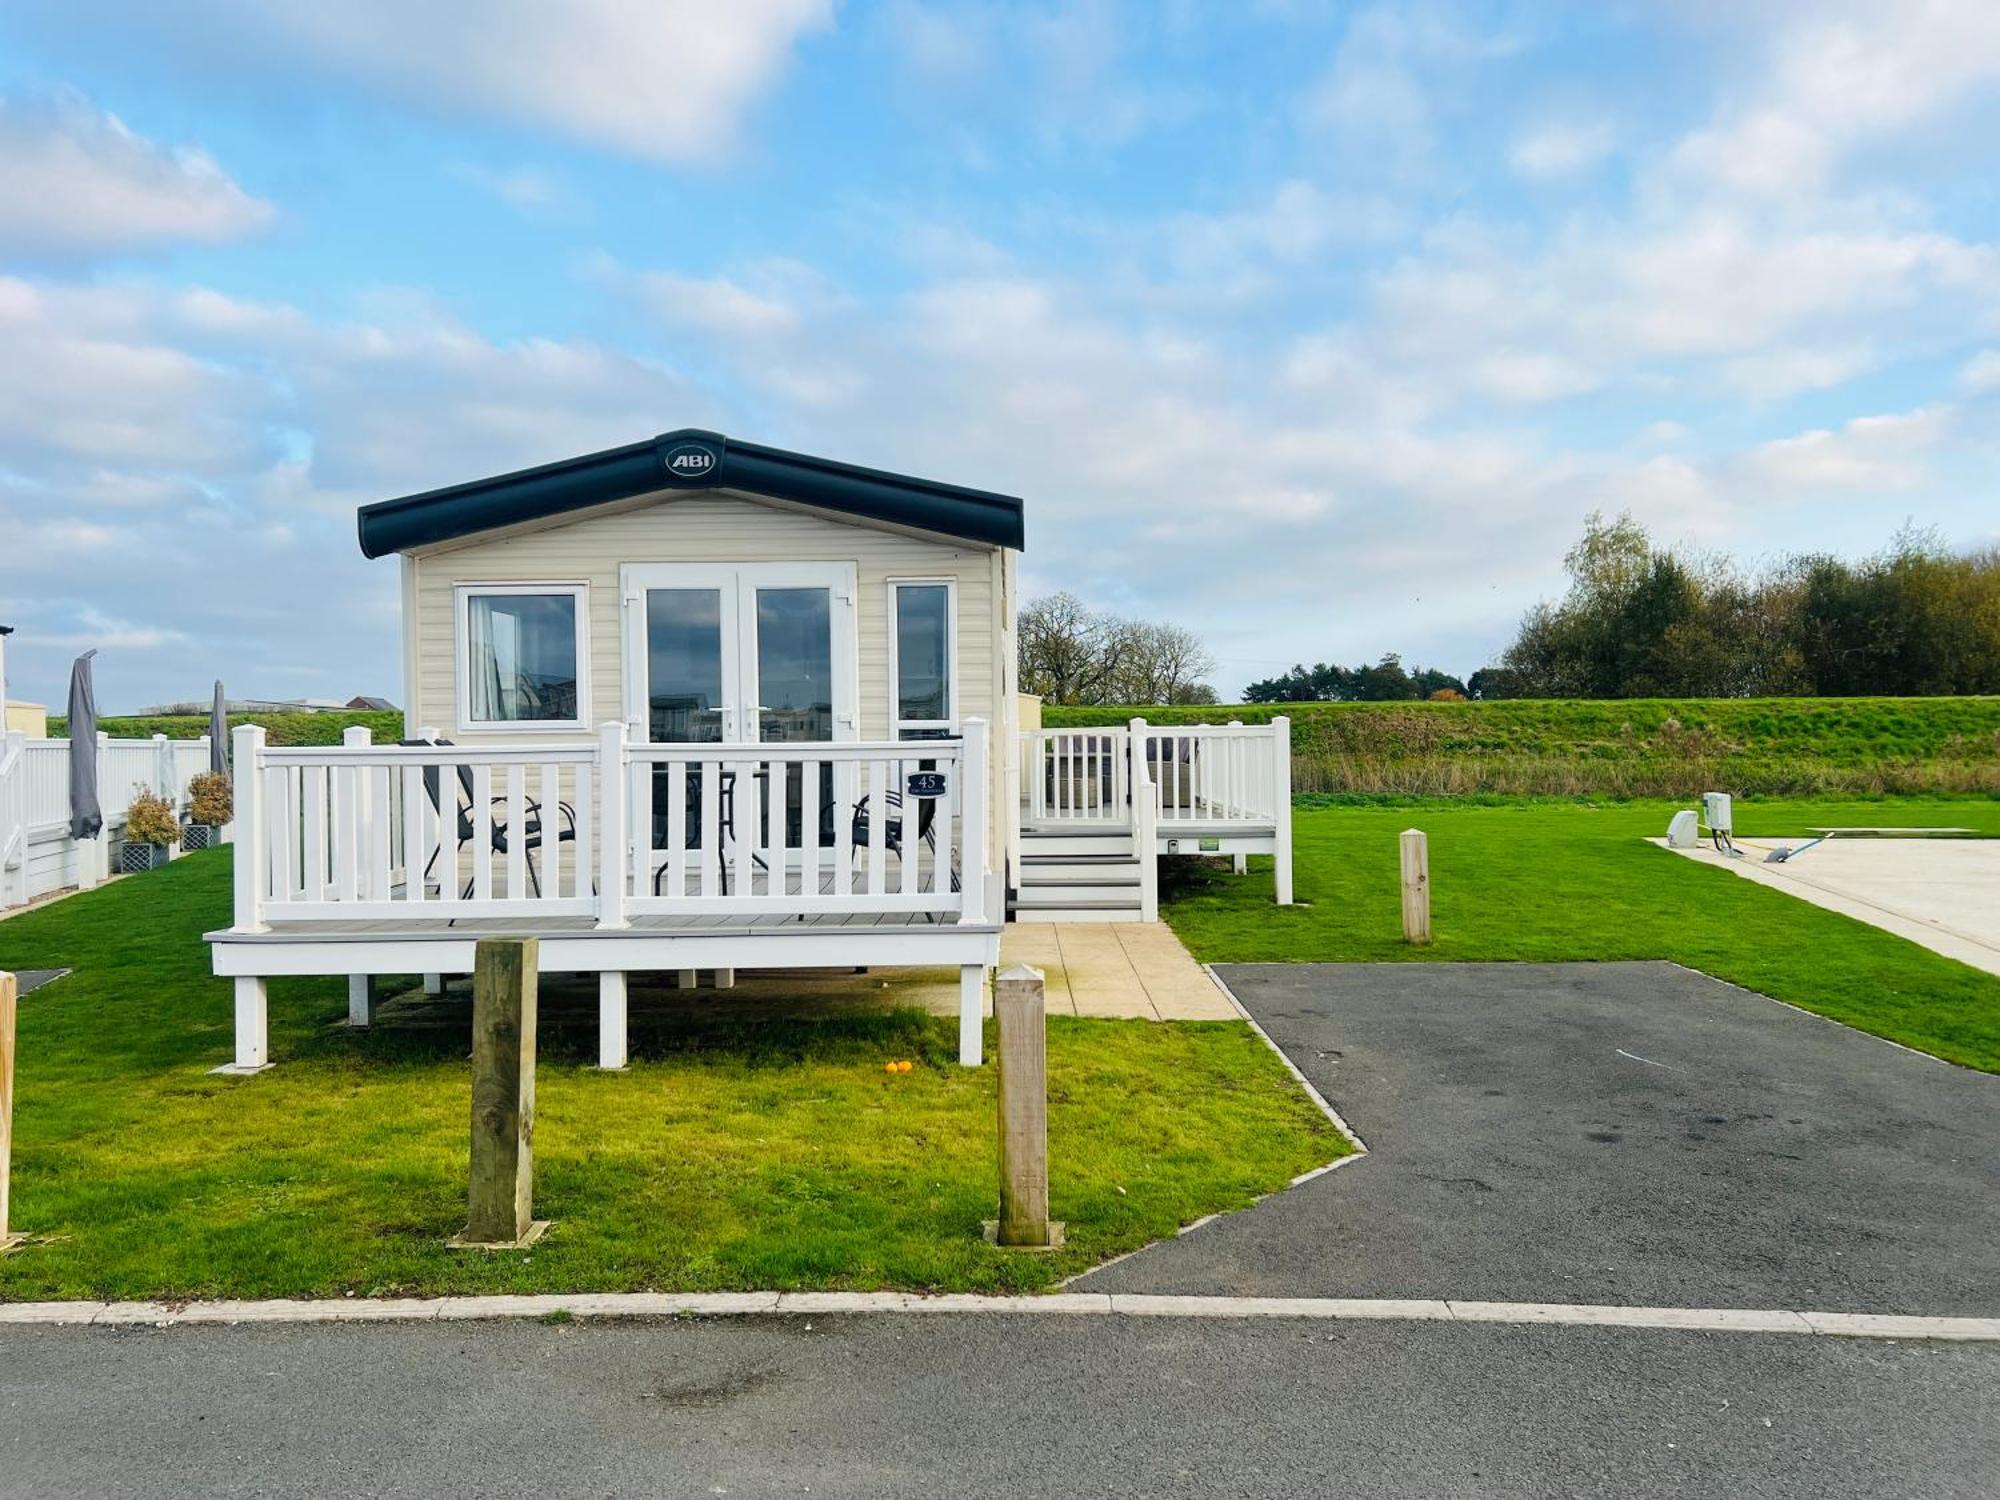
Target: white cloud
x: 1390, y: 82
x: 76, y: 181
x: 529, y: 191
x: 1530, y: 376
x: 1982, y: 372
x: 715, y: 304
x: 1842, y: 72
x: 1297, y: 222
x: 1786, y: 372
x: 1892, y: 452
x: 1561, y: 148
x: 1054, y: 73
x: 668, y: 80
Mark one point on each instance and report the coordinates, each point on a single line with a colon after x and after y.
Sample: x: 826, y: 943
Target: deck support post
x: 971, y: 1014
x: 253, y: 1026
x: 500, y: 1194
x: 434, y: 984
x: 1019, y: 1012
x: 1242, y: 863
x: 725, y: 979
x: 685, y: 979
x: 9, y: 994
x: 360, y: 999
x: 612, y: 1049
x: 1281, y: 773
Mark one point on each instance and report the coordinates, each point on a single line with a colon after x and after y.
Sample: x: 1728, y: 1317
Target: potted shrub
x: 211, y: 803
x: 150, y: 831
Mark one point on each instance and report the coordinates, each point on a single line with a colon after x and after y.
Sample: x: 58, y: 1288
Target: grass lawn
x: 731, y: 1155
x: 1558, y: 880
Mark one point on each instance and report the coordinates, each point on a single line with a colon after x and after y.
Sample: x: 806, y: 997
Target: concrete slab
x: 1942, y: 893
x: 1117, y: 971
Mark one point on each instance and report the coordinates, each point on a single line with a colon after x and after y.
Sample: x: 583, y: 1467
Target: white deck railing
x: 609, y: 831
x: 1224, y: 774
x: 1219, y: 773
x: 1225, y: 785
x: 1076, y: 775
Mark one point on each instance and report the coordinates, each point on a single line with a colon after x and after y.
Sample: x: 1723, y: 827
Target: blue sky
x: 1318, y: 328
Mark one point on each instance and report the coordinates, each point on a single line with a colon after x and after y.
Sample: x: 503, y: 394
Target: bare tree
x: 1063, y: 644
x: 1158, y: 663
x: 1073, y: 654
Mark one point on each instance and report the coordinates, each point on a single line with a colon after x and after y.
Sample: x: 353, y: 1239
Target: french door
x: 740, y: 653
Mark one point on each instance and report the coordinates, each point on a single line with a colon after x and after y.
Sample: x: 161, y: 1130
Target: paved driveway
x: 1623, y: 1133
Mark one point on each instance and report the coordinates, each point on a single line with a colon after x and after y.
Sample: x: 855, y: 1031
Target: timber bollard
x: 1416, y: 886
x: 500, y: 1213
x: 9, y: 1003
x: 1018, y: 1004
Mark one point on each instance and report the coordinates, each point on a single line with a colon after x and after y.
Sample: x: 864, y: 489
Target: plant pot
x: 200, y: 836
x: 136, y: 857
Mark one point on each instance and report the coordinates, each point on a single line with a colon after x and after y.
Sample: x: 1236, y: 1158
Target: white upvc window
x: 923, y: 658
x: 522, y: 651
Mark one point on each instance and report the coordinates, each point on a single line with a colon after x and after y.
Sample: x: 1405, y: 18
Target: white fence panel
x: 37, y: 855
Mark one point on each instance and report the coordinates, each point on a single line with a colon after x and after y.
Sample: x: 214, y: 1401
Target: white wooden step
x: 1058, y: 870
x: 1033, y: 911
x: 1117, y: 844
x: 1081, y: 892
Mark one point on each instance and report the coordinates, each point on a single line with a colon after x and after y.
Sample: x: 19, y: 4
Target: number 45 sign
x: 927, y: 786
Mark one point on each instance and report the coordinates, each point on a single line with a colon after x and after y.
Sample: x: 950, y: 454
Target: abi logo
x: 689, y: 461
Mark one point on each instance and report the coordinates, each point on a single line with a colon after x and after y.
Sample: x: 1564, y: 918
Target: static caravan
x: 701, y: 704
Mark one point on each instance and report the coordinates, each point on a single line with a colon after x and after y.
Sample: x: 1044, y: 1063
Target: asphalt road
x: 937, y: 1405
x: 1628, y: 1133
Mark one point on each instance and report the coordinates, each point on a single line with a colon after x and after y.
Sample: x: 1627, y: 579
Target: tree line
x: 1387, y: 681
x: 1645, y: 621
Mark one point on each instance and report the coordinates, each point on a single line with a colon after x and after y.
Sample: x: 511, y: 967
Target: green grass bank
x: 1791, y: 747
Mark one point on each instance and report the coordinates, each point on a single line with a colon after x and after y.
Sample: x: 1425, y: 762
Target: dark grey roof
x: 690, y: 460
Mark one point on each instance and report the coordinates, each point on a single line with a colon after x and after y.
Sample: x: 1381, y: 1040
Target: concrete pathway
x: 1122, y: 970
x: 1942, y: 893
x: 1616, y: 1133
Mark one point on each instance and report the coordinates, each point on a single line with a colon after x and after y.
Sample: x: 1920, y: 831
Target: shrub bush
x: 150, y: 820
x: 211, y: 798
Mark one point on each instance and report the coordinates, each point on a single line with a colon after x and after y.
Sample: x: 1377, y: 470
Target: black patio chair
x: 532, y: 834
x: 892, y: 827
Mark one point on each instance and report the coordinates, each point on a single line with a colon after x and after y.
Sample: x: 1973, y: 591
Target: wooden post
x: 500, y: 1209
x: 1024, y: 1112
x: 1416, y: 886
x: 9, y: 996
